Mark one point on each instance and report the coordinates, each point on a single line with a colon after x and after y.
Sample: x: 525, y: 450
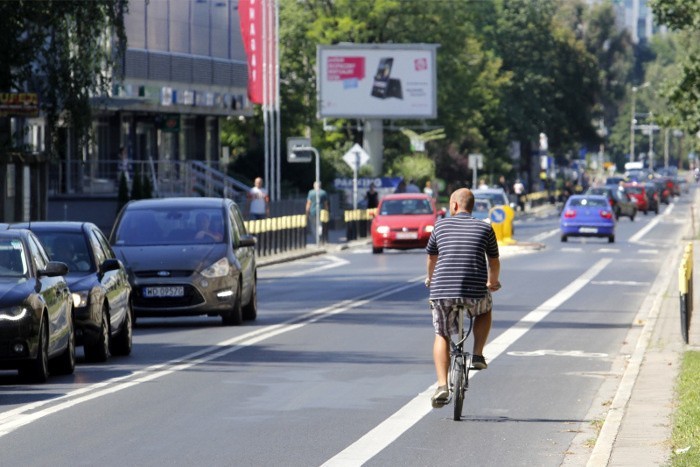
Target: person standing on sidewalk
x: 258, y: 201
x: 463, y: 269
x: 316, y: 197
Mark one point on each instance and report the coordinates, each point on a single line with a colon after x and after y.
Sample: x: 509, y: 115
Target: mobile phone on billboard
x: 381, y: 78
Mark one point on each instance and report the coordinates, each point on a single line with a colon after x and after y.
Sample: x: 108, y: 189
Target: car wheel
x: 564, y: 238
x: 234, y: 316
x: 122, y: 342
x: 97, y: 347
x: 250, y: 311
x: 65, y: 364
x: 377, y: 250
x: 611, y: 239
x: 646, y: 211
x: 37, y: 371
x: 634, y: 213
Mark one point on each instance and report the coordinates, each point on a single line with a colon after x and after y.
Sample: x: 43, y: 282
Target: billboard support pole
x: 373, y: 142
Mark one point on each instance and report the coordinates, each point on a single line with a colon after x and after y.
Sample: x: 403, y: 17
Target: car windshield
x: 495, y: 198
x: 13, y: 261
x: 588, y: 202
x: 170, y: 226
x: 637, y: 190
x: 481, y: 208
x: 68, y: 247
x: 399, y: 207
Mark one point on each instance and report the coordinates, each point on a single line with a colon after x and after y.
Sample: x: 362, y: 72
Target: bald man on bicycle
x: 463, y: 269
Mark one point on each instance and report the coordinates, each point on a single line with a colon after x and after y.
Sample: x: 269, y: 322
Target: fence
x: 685, y: 286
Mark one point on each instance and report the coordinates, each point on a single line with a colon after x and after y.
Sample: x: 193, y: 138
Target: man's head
x: 462, y: 200
x: 258, y: 182
x: 317, y: 185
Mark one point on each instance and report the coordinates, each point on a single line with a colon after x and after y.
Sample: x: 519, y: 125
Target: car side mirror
x: 247, y: 241
x: 110, y: 264
x: 54, y: 268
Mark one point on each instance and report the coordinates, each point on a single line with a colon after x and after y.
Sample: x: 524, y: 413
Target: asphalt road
x: 337, y: 369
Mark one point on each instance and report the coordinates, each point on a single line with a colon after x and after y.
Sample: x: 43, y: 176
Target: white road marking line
x: 544, y: 235
x: 335, y: 262
x: 401, y: 421
x: 557, y: 353
x: 631, y: 283
x: 648, y: 252
x: 28, y: 413
x: 569, y: 249
x: 645, y: 230
x: 608, y: 250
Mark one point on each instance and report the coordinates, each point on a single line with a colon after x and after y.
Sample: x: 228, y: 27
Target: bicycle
x: 460, y: 364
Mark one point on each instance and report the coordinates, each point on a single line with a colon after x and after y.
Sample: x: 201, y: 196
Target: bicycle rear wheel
x: 459, y: 388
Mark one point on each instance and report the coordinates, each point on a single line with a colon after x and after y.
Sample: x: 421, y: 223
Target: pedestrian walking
x: 315, y: 200
x: 463, y: 268
x: 258, y: 201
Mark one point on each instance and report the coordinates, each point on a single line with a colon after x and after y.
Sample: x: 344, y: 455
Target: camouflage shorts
x: 446, y: 312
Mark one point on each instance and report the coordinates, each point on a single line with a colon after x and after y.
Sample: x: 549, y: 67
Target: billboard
x: 377, y: 81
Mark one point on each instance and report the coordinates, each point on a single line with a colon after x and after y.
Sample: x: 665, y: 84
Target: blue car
x: 587, y: 216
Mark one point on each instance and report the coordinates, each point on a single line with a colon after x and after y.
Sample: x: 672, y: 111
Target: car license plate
x: 406, y: 235
x: 177, y: 291
x: 588, y: 230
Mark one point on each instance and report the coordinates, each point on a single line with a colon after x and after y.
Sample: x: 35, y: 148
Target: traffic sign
x: 298, y: 149
x: 356, y: 157
x: 498, y: 215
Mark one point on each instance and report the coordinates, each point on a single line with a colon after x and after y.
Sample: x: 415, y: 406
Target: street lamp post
x: 633, y: 120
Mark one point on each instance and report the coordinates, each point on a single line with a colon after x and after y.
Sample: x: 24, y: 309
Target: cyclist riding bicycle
x: 459, y: 275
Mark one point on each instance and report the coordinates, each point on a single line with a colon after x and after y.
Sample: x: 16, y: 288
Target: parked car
x: 187, y: 257
x: 587, y: 216
x: 638, y: 192
x: 98, y: 283
x: 36, y: 314
x: 403, y: 221
x: 621, y: 203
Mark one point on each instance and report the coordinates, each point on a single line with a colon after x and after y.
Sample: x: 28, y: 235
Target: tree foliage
x: 683, y: 89
x: 62, y: 50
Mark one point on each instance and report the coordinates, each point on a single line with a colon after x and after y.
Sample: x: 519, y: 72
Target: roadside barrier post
x: 685, y: 286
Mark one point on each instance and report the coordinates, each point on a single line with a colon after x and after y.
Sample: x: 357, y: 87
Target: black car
x: 98, y: 283
x: 187, y: 257
x: 622, y: 204
x: 36, y: 313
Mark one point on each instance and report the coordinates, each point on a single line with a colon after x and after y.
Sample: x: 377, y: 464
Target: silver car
x: 188, y: 256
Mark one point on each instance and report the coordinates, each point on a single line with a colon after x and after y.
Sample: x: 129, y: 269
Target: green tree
x: 683, y: 90
x: 62, y: 50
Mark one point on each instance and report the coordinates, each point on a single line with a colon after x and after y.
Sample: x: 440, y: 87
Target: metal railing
x: 167, y: 178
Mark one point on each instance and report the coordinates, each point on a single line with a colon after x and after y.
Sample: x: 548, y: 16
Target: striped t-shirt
x: 461, y: 243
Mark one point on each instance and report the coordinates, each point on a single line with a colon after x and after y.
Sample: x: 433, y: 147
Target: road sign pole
x: 355, y: 169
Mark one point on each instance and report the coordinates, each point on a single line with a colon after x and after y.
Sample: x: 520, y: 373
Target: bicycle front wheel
x: 459, y: 388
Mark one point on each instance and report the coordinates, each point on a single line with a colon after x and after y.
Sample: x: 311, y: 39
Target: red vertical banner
x: 250, y: 13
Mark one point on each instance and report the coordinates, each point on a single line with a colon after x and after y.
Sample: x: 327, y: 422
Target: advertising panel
x: 377, y: 81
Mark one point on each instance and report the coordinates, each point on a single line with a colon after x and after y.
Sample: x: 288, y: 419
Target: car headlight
x: 383, y: 229
x: 218, y: 269
x: 428, y: 228
x: 80, y: 299
x: 15, y: 313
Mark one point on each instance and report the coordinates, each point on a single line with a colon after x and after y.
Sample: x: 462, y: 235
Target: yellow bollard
x: 502, y: 223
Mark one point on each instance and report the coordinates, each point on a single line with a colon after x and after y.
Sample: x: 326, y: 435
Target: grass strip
x: 686, y: 424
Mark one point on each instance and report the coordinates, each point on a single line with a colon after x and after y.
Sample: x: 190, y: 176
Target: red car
x: 638, y: 192
x: 403, y: 221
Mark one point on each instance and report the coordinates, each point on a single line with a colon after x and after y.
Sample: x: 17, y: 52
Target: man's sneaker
x: 479, y: 362
x: 439, y: 399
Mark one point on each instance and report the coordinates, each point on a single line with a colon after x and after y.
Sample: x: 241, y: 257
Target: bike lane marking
x: 381, y: 436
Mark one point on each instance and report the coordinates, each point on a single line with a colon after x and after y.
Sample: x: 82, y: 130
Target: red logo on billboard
x: 420, y: 64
